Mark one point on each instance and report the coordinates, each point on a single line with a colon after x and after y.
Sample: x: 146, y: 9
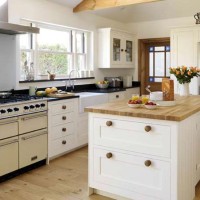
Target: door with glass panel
x: 154, y: 63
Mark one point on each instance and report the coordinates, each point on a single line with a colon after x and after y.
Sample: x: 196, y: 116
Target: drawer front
x: 8, y: 155
x: 132, y: 136
x: 116, y: 96
x: 8, y: 128
x: 62, y: 118
x: 65, y: 106
x: 59, y: 131
x: 32, y: 122
x: 131, y: 173
x: 32, y: 147
x: 62, y: 145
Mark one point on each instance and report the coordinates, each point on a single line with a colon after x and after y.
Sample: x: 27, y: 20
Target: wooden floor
x: 64, y: 179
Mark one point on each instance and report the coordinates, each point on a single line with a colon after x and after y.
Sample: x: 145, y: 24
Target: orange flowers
x: 185, y: 74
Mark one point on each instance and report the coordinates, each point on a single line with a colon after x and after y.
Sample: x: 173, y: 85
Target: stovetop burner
x: 17, y: 98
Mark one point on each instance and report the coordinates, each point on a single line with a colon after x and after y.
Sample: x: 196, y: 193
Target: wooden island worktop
x: 141, y: 154
x: 185, y: 107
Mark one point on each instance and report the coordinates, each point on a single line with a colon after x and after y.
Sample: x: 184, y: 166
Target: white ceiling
x: 164, y: 9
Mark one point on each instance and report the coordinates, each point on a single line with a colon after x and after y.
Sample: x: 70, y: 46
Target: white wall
x: 159, y: 28
x: 7, y: 62
x: 45, y: 11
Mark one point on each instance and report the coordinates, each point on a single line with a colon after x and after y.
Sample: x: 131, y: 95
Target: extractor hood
x: 9, y: 28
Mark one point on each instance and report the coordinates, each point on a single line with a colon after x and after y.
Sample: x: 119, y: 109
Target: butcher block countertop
x: 184, y: 108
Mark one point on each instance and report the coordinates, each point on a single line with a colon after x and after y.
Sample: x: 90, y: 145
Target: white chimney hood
x: 9, y: 28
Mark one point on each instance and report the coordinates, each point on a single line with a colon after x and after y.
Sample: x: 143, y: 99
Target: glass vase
x: 184, y: 89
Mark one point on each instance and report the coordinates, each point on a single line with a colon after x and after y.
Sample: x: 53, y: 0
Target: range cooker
x: 23, y: 132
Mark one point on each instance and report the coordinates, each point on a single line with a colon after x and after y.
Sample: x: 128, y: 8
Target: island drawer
x: 152, y: 139
x: 62, y: 107
x: 149, y: 178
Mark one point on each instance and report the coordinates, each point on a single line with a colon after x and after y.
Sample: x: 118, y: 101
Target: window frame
x: 87, y: 54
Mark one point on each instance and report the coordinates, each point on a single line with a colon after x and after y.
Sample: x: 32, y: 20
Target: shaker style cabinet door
x: 116, y: 48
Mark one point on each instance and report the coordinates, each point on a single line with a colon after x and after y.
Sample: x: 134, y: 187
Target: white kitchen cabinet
x: 184, y: 51
x: 116, y: 48
x: 82, y: 134
x: 138, y: 158
x: 130, y: 91
x: 116, y: 96
x: 62, y: 126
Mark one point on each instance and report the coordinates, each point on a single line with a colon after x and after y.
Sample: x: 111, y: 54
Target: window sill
x: 47, y: 80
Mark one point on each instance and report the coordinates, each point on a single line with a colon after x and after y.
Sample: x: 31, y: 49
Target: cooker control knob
x: 26, y: 107
x: 37, y: 105
x: 42, y: 105
x: 32, y: 106
x: 3, y: 111
x: 9, y: 110
x: 16, y: 109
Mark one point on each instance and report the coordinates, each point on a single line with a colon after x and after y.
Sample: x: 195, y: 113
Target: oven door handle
x: 33, y: 117
x: 32, y: 136
x: 10, y: 142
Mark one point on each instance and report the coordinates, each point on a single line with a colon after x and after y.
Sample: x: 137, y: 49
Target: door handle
x: 10, y: 142
x: 32, y: 136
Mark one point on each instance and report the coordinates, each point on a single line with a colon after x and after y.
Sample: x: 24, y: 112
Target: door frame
x: 141, y: 58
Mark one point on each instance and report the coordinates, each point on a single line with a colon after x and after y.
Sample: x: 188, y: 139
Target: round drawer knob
x: 147, y: 128
x: 64, y: 107
x: 64, y: 129
x: 109, y: 155
x: 147, y: 163
x: 117, y: 96
x: 64, y: 142
x: 109, y: 123
x: 64, y: 117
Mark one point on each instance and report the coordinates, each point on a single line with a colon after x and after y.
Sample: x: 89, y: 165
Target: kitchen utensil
x: 51, y: 76
x: 32, y: 90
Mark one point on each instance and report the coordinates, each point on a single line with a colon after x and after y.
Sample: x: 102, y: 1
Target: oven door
x: 32, y: 122
x: 8, y: 155
x: 32, y: 147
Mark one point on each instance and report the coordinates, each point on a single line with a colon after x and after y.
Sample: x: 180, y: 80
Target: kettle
x: 32, y: 90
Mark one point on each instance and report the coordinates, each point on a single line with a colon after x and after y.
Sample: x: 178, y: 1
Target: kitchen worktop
x: 184, y: 108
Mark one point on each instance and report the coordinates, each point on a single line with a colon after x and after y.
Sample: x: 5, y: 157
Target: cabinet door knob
x: 64, y: 117
x: 109, y: 155
x: 109, y: 123
x: 122, y: 50
x: 125, y: 50
x: 64, y: 129
x: 117, y: 96
x: 147, y: 163
x: 64, y: 107
x: 147, y: 128
x: 64, y: 142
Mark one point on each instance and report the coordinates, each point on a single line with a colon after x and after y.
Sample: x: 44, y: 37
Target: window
x: 159, y: 63
x: 56, y: 49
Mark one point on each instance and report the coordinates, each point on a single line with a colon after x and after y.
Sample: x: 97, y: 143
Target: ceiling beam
x: 101, y: 4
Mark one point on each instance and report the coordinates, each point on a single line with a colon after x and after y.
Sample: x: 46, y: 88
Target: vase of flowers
x: 184, y: 75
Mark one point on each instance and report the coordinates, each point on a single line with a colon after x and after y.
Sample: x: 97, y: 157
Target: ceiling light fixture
x: 197, y: 17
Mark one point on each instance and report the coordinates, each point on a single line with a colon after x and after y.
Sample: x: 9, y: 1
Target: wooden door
x: 154, y: 62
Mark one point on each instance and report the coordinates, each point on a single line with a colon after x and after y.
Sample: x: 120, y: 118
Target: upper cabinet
x: 184, y: 51
x: 116, y: 49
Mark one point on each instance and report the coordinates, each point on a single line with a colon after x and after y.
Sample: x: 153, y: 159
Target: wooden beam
x: 101, y: 4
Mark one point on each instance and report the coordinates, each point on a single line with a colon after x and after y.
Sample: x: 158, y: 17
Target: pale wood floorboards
x: 64, y: 179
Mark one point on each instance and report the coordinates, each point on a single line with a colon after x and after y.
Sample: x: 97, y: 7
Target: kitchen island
x: 143, y: 154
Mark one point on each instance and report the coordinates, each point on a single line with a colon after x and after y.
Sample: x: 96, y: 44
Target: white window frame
x: 88, y: 60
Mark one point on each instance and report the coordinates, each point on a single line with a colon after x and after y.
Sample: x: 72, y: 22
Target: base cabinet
x: 62, y: 126
x: 143, y: 175
x: 143, y: 159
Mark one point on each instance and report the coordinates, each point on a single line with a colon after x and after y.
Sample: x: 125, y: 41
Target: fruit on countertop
x: 150, y: 103
x: 48, y: 90
x: 41, y: 93
x: 102, y: 82
x: 134, y: 101
x: 51, y: 90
